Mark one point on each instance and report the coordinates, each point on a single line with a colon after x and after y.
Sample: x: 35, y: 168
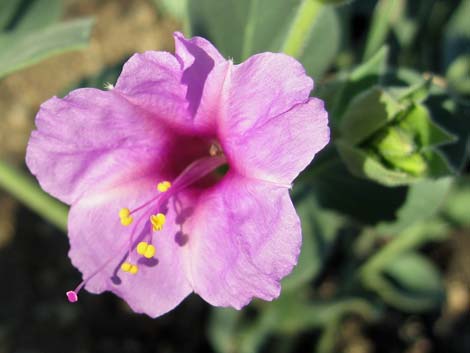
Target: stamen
x: 163, y: 186
x: 157, y: 220
x: 128, y: 267
x: 72, y: 296
x: 215, y: 150
x: 125, y: 216
x: 193, y: 172
x: 146, y: 250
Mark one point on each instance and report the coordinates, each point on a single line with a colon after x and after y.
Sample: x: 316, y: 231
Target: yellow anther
x: 157, y: 220
x: 163, y: 186
x: 145, y: 249
x: 128, y: 267
x: 134, y: 269
x: 125, y: 216
x: 150, y: 252
x: 141, y: 247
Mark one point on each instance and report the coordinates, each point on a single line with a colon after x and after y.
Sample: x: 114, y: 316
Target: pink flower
x: 152, y: 219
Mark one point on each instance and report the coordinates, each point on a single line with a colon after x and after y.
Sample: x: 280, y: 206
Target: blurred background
x: 385, y: 264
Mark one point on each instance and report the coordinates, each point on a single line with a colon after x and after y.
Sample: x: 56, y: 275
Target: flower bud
x: 394, y: 142
x: 414, y: 164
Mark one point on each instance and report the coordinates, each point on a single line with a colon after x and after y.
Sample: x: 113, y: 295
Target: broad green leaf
x: 222, y: 329
x: 177, y: 8
x: 367, y: 113
x: 7, y: 11
x: 24, y: 49
x: 423, y: 200
x: 337, y: 189
x: 457, y: 207
x: 39, y: 14
x: 26, y: 190
x: 412, y: 283
x: 241, y: 28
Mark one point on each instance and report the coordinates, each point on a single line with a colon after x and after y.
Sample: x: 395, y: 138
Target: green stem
x: 28, y: 192
x: 409, y: 239
x: 383, y: 16
x: 301, y: 26
x: 250, y: 30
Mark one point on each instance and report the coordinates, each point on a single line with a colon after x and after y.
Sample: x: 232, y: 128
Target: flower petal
x: 172, y: 87
x: 87, y: 136
x: 152, y: 81
x: 91, y: 135
x: 263, y: 87
x: 96, y: 236
x: 245, y: 238
x: 280, y: 148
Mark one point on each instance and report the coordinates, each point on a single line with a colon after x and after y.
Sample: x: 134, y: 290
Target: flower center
x: 194, y: 172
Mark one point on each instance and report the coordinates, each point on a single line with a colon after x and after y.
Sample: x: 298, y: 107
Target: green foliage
x: 302, y: 28
x: 32, y: 34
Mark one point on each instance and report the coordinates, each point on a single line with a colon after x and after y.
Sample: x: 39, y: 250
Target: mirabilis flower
x: 152, y: 218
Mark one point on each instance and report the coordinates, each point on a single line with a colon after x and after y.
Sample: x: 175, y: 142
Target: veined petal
x: 245, y: 237
x: 88, y: 135
x: 172, y: 87
x: 280, y: 148
x: 263, y: 87
x: 204, y: 71
x: 96, y: 235
x: 152, y: 80
x: 189, y: 50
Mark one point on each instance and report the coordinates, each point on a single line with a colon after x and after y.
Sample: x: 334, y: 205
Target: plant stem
x: 301, y: 26
x: 28, y: 192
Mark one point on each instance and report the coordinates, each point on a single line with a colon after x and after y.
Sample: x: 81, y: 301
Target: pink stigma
x: 72, y: 296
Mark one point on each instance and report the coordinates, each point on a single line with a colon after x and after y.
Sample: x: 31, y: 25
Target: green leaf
x: 26, y: 190
x: 367, y: 113
x: 366, y: 165
x: 453, y: 117
x: 293, y: 313
x: 222, y: 329
x: 417, y: 122
x: 325, y: 38
x: 24, y: 49
x: 385, y: 12
x: 177, y: 8
x: 412, y: 283
x: 362, y: 78
x: 7, y: 11
x: 241, y: 28
x: 40, y: 14
x: 457, y: 34
x: 457, y: 206
x: 423, y: 200
x: 319, y: 230
x: 458, y: 74
x: 336, y: 189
